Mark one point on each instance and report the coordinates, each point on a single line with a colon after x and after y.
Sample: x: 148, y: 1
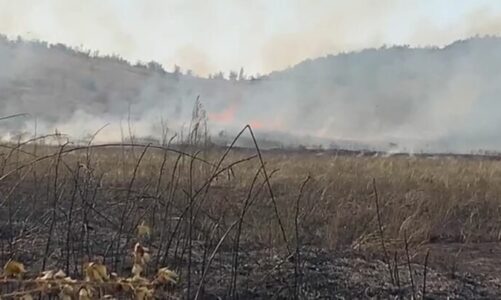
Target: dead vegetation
x: 218, y: 217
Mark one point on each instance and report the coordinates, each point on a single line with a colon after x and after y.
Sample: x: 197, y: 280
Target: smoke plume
x: 422, y: 99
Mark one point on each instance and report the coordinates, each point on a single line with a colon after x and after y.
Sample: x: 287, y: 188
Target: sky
x: 261, y: 35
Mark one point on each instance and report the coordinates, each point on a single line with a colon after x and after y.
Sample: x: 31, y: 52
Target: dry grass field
x: 245, y: 224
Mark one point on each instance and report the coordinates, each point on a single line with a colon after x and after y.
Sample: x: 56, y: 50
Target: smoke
x: 422, y: 99
x: 227, y: 116
x: 194, y: 34
x: 193, y: 58
x: 431, y: 99
x: 263, y: 36
x: 482, y: 20
x: 328, y: 27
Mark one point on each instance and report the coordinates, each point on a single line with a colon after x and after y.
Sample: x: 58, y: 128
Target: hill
x: 431, y: 99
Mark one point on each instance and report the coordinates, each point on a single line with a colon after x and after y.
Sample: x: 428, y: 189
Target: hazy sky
x: 259, y: 35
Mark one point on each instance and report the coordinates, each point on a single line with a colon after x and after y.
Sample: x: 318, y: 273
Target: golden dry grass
x: 433, y: 199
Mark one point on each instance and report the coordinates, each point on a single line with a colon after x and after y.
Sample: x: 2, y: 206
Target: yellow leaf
x: 136, y: 270
x: 143, y: 293
x: 84, y: 294
x: 164, y: 276
x: 69, y: 280
x: 143, y: 230
x: 96, y: 272
x: 43, y: 280
x: 138, y: 251
x: 141, y: 255
x: 168, y: 272
x: 101, y: 271
x: 46, y: 275
x: 26, y: 297
x: 138, y: 281
x: 60, y: 274
x: 65, y: 297
x: 113, y: 276
x: 66, y: 292
x: 13, y: 268
x: 146, y: 257
x: 125, y: 286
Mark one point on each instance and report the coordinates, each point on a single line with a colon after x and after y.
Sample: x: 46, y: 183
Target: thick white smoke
x: 431, y: 99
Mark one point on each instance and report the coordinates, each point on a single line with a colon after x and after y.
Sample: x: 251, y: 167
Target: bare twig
x: 381, y: 231
x: 297, y: 265
x: 14, y: 116
x: 425, y: 273
x: 409, y: 265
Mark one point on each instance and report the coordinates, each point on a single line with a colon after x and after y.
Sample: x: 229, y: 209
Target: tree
x: 177, y: 70
x: 241, y: 75
x: 219, y: 75
x: 233, y: 76
x: 156, y: 67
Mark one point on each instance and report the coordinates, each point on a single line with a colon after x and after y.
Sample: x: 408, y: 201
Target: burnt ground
x: 454, y: 271
x: 348, y: 275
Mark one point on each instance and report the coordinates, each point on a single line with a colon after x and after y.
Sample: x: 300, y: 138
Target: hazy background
x: 261, y: 35
x: 439, y: 94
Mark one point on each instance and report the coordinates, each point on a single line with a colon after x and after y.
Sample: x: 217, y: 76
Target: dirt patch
x: 344, y: 275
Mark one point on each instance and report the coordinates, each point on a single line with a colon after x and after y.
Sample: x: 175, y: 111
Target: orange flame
x: 276, y: 124
x: 256, y: 124
x: 226, y: 116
